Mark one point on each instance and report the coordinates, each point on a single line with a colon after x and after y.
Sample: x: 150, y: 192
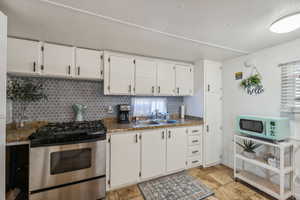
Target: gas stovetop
x: 68, y: 133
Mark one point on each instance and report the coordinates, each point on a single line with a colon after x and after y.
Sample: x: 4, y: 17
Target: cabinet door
x: 176, y: 149
x: 145, y: 77
x: 165, y: 79
x: 3, y: 64
x: 213, y: 114
x: 125, y: 159
x: 88, y: 64
x: 153, y: 153
x: 58, y: 60
x: 184, y: 80
x: 23, y: 56
x: 121, y: 75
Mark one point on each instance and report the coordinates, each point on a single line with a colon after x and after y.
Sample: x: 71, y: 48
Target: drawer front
x: 196, y: 130
x: 194, y: 162
x: 194, y: 150
x: 194, y: 140
x: 94, y: 189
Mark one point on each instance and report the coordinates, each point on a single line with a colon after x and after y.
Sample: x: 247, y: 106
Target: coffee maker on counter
x: 123, y: 113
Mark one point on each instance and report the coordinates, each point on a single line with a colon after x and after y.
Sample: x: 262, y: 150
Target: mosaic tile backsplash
x: 63, y: 93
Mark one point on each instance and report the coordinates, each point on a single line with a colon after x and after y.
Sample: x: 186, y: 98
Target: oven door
x: 57, y: 165
x: 256, y: 127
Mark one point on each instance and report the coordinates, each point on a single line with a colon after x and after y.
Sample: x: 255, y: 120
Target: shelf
x: 259, y: 163
x: 279, y: 144
x: 262, y: 184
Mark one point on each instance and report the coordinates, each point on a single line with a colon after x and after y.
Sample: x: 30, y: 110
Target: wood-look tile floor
x: 219, y: 178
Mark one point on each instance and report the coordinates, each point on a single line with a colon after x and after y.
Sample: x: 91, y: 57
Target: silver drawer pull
x: 195, y: 131
x: 195, y: 161
x: 195, y: 152
x: 194, y: 141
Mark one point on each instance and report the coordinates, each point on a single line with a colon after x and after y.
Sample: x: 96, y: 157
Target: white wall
x: 236, y: 101
x: 3, y: 36
x: 194, y: 104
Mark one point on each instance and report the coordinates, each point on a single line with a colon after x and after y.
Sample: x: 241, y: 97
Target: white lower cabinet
x: 176, y: 149
x: 153, y: 153
x: 124, y: 159
x: 138, y: 156
x: 195, y: 146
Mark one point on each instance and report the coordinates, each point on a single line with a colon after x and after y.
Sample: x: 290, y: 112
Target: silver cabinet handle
x: 163, y: 135
x: 69, y: 69
x: 195, y: 161
x: 169, y: 134
x: 78, y: 70
x: 195, y: 131
x: 136, y: 138
x: 158, y: 89
x: 34, y: 66
x: 129, y: 90
x: 177, y: 90
x: 42, y: 67
x: 193, y: 152
x: 195, y: 141
x: 153, y: 89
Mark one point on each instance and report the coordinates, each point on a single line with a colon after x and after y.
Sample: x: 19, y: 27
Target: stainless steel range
x: 67, y: 161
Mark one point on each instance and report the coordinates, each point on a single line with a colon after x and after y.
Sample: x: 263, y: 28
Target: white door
x: 184, y: 80
x: 121, y: 75
x: 165, y: 79
x: 23, y: 56
x: 58, y: 60
x: 213, y: 113
x: 88, y: 64
x: 145, y: 77
x: 125, y: 159
x: 176, y: 149
x: 153, y: 153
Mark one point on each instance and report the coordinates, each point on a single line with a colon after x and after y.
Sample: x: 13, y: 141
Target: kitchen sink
x: 155, y: 122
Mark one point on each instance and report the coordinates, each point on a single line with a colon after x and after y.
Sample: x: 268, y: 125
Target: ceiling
x: 186, y: 30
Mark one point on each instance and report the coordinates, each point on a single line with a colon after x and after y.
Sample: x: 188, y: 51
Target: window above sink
x: 145, y: 106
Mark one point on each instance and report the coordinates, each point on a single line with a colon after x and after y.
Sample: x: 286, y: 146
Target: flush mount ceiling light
x: 286, y: 24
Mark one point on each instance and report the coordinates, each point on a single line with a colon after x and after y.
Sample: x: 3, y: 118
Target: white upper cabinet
x: 58, y: 60
x: 165, y: 79
x: 88, y: 64
x: 184, y: 80
x: 145, y: 77
x: 153, y: 153
x: 176, y: 149
x: 23, y: 56
x: 119, y: 75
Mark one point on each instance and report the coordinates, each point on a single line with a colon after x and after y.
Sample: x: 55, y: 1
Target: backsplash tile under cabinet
x: 63, y: 93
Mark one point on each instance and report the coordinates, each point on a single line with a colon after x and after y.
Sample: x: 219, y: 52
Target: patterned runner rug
x: 180, y: 186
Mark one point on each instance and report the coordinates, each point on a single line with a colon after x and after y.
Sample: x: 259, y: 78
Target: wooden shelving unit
x: 277, y: 190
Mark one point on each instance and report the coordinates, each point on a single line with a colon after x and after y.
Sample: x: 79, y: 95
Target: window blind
x: 148, y: 105
x: 290, y: 87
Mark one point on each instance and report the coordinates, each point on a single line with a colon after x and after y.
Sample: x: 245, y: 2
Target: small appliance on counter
x: 271, y: 128
x: 123, y: 113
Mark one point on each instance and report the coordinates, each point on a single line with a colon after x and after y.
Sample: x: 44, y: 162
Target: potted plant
x: 24, y: 92
x: 248, y: 147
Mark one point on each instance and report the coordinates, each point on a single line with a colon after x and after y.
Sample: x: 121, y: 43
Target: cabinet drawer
x: 194, y: 162
x: 194, y: 150
x: 195, y: 130
x: 194, y: 140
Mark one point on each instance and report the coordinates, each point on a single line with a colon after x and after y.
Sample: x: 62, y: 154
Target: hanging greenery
x: 252, y: 84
